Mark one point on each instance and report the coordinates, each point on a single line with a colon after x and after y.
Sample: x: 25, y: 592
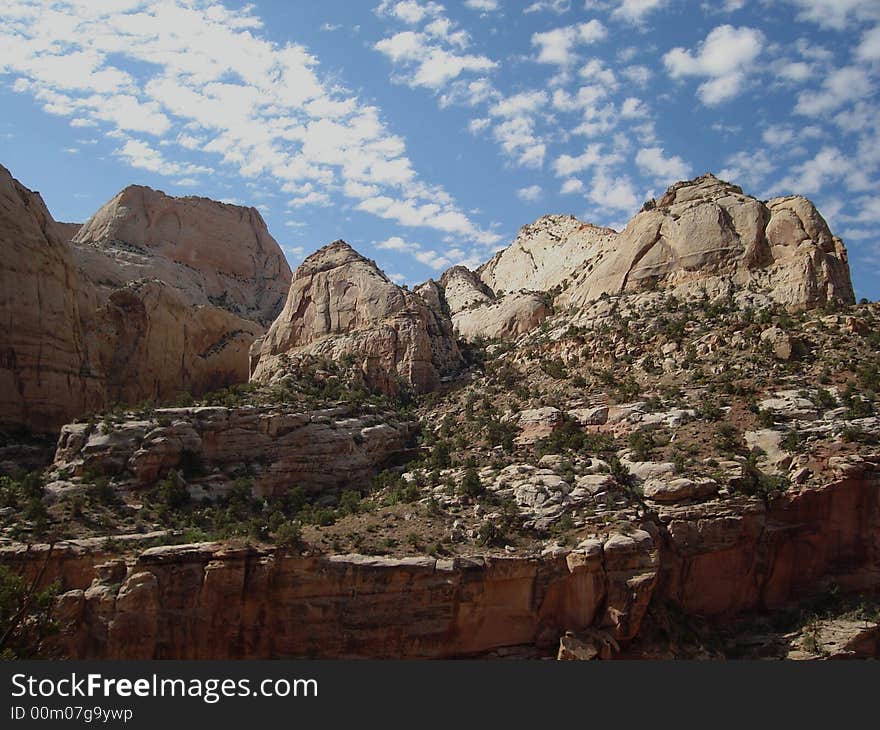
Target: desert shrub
x: 471, y: 486
x: 756, y: 483
x: 642, y: 444
x: 728, y: 439
x: 709, y: 410
x: 25, y: 616
x: 289, y: 535
x: 349, y: 502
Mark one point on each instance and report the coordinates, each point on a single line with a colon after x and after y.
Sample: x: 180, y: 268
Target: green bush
x: 289, y: 535
x: 471, y: 486
x: 25, y: 616
x: 728, y: 439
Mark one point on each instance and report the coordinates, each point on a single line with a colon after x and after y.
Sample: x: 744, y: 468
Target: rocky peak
x: 212, y: 252
x: 342, y: 305
x: 332, y: 256
x: 153, y: 297
x: 705, y: 186
x: 462, y: 289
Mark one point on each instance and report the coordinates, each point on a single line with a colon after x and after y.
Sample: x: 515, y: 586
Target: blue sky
x: 426, y: 133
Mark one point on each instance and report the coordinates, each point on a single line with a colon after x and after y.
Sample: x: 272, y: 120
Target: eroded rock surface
x: 341, y: 305
x: 281, y: 449
x: 153, y: 297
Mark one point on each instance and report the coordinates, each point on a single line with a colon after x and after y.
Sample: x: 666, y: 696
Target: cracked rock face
x: 316, y: 450
x: 340, y: 305
x: 707, y: 233
x: 702, y: 235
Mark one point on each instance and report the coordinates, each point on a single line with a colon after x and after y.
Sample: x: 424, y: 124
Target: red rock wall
x: 210, y: 602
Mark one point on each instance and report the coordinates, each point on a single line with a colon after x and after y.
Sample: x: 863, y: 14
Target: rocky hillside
x: 702, y: 235
x: 152, y: 298
x: 669, y: 446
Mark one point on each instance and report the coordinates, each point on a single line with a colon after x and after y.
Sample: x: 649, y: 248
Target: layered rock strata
x: 281, y: 449
x: 711, y: 559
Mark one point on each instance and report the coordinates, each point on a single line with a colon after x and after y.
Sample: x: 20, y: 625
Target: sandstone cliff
x: 701, y: 235
x: 219, y: 602
x: 149, y: 343
x: 318, y: 451
x: 44, y: 376
x: 213, y: 253
x: 153, y: 297
x: 341, y: 305
x: 707, y: 234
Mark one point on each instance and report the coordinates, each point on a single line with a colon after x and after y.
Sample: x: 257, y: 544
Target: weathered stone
x: 678, y: 490
x: 341, y: 305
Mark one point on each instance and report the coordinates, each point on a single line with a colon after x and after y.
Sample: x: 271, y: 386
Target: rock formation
x: 213, y: 253
x: 151, y: 344
x: 706, y: 234
x: 476, y: 311
x: 153, y: 297
x: 545, y: 254
x: 318, y: 451
x: 341, y: 305
x: 44, y: 376
x: 688, y: 438
x: 210, y: 601
x: 702, y: 235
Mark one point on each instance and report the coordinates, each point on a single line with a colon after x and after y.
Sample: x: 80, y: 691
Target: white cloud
x: 633, y: 108
x: 639, y: 75
x: 593, y: 156
x: 778, y: 135
x: 409, y: 11
x: 613, y: 191
x: 869, y: 48
x: 725, y: 57
x: 556, y: 6
x: 530, y: 194
x: 840, y: 87
x: 829, y: 165
x: 141, y: 155
x: 427, y: 63
x: 217, y: 85
x: 516, y: 132
x: 628, y: 11
x: 652, y: 162
x: 478, y: 125
x: 749, y: 169
x: 572, y: 185
x: 837, y: 14
x: 396, y: 243
x: 794, y: 71
x: 559, y: 46
x: 484, y: 6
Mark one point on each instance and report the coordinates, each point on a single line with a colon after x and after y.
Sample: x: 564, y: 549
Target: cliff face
x: 341, y: 305
x: 707, y: 233
x: 710, y: 560
x: 322, y: 450
x: 44, y: 379
x: 212, y: 253
x: 155, y: 296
